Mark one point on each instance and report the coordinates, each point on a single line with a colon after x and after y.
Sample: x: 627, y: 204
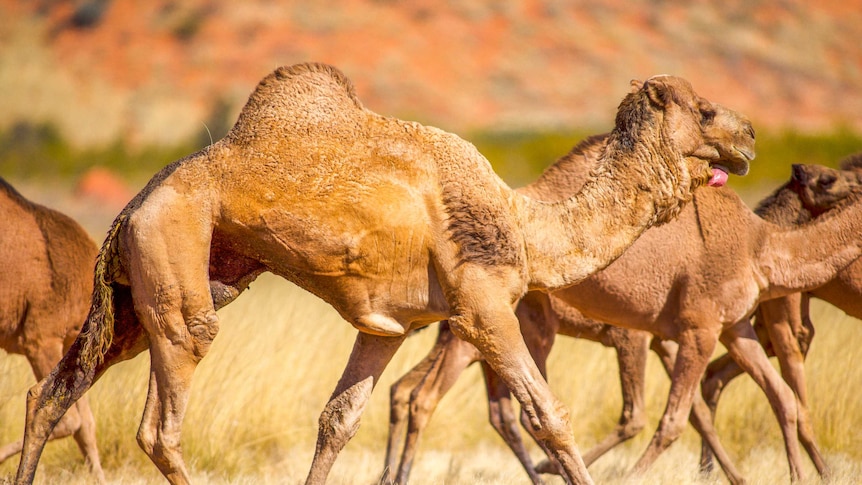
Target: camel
x: 541, y: 319
x: 46, y: 271
x: 783, y: 324
x: 710, y: 280
x: 395, y: 224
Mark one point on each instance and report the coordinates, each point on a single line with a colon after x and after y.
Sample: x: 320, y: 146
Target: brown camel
x: 709, y: 280
x: 783, y: 324
x: 46, y: 271
x: 415, y: 396
x: 395, y: 224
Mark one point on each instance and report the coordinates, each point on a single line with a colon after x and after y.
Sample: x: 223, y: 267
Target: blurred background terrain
x: 131, y: 85
x: 97, y: 95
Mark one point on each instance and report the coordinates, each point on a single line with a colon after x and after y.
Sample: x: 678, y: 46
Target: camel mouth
x: 739, y: 161
x: 719, y: 176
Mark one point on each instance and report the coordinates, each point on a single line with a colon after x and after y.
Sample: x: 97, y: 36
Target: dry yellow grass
x: 253, y: 412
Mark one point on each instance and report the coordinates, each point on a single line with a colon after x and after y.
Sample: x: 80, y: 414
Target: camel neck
x: 567, y: 241
x: 810, y: 255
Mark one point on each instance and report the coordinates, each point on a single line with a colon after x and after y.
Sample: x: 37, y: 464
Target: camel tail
x: 97, y: 332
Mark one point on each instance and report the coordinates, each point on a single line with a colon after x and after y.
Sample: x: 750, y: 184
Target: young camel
x: 46, y: 271
x: 783, y: 324
x: 395, y: 224
x: 414, y: 397
x: 710, y: 280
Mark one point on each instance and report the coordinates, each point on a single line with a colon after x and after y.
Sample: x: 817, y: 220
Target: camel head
x: 822, y: 188
x: 712, y: 140
x: 730, y: 141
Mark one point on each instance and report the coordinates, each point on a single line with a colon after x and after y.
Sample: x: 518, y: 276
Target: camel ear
x: 636, y: 85
x: 658, y: 92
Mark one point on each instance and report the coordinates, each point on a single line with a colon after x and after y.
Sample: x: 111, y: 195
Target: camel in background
x: 46, y: 278
x: 718, y: 260
x: 783, y: 324
x: 395, y: 224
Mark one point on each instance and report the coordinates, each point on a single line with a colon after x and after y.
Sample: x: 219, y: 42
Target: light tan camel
x: 395, y: 224
x: 414, y: 397
x: 783, y: 324
x: 718, y: 260
x: 46, y: 277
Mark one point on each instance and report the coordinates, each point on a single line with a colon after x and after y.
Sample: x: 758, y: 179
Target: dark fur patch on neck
x: 633, y: 115
x: 480, y: 230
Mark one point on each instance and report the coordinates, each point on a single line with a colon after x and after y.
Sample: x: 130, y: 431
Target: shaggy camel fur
x: 710, y: 280
x: 46, y: 271
x: 783, y: 324
x: 415, y: 396
x: 395, y: 224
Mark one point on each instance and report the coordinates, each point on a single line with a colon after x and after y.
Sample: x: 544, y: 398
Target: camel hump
x: 311, y: 99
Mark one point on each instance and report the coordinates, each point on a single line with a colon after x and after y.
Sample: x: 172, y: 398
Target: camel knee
x: 631, y: 423
x: 670, y: 430
x: 339, y: 420
x: 421, y: 409
x: 549, y: 425
x: 162, y: 448
x: 203, y: 328
x: 146, y: 439
x: 399, y: 400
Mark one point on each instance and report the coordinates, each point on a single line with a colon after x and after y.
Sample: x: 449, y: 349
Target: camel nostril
x: 749, y: 130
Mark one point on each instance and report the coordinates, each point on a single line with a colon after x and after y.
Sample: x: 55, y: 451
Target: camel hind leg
x: 168, y: 271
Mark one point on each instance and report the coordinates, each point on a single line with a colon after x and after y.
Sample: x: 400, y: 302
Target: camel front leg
x: 789, y: 331
x: 505, y: 421
x: 701, y: 417
x: 340, y: 418
x: 695, y: 348
x: 743, y: 346
x: 494, y: 330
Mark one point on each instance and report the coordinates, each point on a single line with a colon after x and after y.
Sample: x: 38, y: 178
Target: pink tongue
x: 719, y: 178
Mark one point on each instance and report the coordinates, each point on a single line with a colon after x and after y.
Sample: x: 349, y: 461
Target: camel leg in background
x: 449, y: 357
x: 742, y: 344
x: 493, y: 328
x: 791, y: 332
x: 505, y: 421
x: 695, y: 347
x: 631, y: 347
x: 340, y: 418
x: 700, y: 417
x: 785, y: 330
x: 78, y: 421
x: 400, y: 395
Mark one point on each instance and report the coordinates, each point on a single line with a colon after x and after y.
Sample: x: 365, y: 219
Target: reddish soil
x: 459, y: 65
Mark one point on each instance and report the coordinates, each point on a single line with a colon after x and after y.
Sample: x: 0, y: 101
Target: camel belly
x: 378, y: 276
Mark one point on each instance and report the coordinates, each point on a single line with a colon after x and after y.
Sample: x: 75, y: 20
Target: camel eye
x: 826, y: 182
